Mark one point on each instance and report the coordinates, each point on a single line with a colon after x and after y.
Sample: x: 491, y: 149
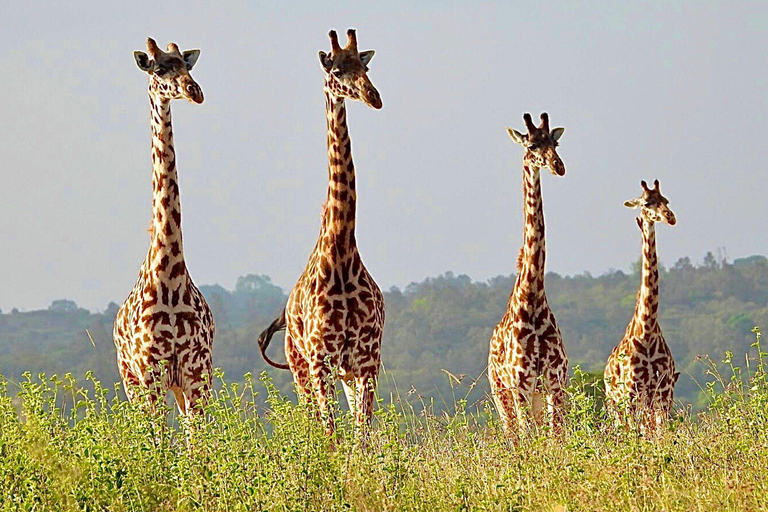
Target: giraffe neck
x: 534, y: 247
x: 340, y: 207
x: 648, y: 296
x: 166, y: 253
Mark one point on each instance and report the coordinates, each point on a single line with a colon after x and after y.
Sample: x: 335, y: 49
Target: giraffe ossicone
x: 527, y: 363
x: 164, y: 330
x: 334, y: 316
x: 640, y: 373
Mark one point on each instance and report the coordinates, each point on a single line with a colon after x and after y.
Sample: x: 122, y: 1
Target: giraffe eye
x: 336, y: 72
x: 160, y: 71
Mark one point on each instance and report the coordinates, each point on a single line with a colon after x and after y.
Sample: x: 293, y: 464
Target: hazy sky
x: 675, y: 90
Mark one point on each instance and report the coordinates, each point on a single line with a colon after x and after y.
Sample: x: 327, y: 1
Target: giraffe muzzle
x: 373, y: 99
x: 193, y: 93
x: 556, y: 166
x: 558, y: 170
x: 369, y: 94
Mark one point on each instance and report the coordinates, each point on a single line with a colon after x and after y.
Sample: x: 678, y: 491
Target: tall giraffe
x: 164, y: 330
x: 527, y: 358
x: 335, y: 314
x: 640, y: 373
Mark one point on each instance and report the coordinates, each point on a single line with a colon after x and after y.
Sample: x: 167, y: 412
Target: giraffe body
x: 164, y: 330
x: 334, y: 316
x: 527, y: 363
x: 640, y: 373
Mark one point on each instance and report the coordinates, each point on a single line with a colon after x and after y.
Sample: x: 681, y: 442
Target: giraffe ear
x: 556, y: 133
x: 517, y: 136
x: 366, y: 56
x: 144, y: 62
x: 633, y: 203
x: 326, y: 61
x: 190, y: 58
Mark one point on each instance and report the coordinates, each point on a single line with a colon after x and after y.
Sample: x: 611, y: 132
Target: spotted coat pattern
x: 335, y: 313
x: 164, y: 330
x: 527, y: 363
x: 640, y: 374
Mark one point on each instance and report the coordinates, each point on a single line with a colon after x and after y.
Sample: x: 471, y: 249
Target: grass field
x: 66, y: 445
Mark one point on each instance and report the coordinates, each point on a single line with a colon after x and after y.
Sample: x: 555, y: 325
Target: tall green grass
x: 68, y: 445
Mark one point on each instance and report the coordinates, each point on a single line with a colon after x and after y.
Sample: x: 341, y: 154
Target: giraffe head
x: 346, y: 71
x: 540, y: 145
x: 654, y: 207
x: 169, y: 76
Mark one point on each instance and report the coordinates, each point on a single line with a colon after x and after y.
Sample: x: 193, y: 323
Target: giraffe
x: 334, y: 316
x: 527, y: 359
x: 164, y: 330
x: 640, y: 372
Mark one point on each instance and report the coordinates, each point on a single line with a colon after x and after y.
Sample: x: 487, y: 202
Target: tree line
x: 437, y: 331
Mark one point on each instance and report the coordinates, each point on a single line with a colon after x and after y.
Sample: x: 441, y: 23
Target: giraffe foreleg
x: 513, y: 400
x: 196, y: 396
x: 522, y: 399
x: 662, y: 401
x: 130, y: 381
x: 556, y: 382
x: 556, y: 408
x: 505, y: 407
x: 181, y: 401
x: 299, y: 369
x: 365, y: 388
x: 348, y: 384
x: 322, y: 385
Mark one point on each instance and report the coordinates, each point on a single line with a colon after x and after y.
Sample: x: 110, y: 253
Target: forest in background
x: 441, y: 323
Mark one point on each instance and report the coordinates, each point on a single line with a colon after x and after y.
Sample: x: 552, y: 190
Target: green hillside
x: 440, y: 323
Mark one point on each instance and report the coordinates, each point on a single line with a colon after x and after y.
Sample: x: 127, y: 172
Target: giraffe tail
x: 266, y: 336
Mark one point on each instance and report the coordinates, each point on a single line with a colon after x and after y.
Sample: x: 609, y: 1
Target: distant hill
x: 440, y: 323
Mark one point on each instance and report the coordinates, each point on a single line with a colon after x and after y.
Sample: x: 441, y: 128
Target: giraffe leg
x: 555, y: 377
x: 323, y: 388
x: 152, y: 387
x: 131, y: 382
x: 196, y: 394
x: 505, y: 407
x: 348, y: 384
x: 503, y: 398
x: 619, y: 401
x: 658, y: 412
x: 624, y: 398
x: 364, y: 395
x: 522, y: 401
x: 556, y: 408
x: 181, y: 401
x: 662, y: 414
x: 299, y: 369
x: 537, y: 405
x: 555, y: 393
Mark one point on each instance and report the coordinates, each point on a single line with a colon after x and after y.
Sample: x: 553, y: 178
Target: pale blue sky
x: 675, y: 90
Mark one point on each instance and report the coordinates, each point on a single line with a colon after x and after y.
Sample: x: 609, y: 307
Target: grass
x: 66, y: 445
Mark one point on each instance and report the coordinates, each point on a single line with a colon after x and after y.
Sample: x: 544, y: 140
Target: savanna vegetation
x: 69, y: 440
x: 69, y: 446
